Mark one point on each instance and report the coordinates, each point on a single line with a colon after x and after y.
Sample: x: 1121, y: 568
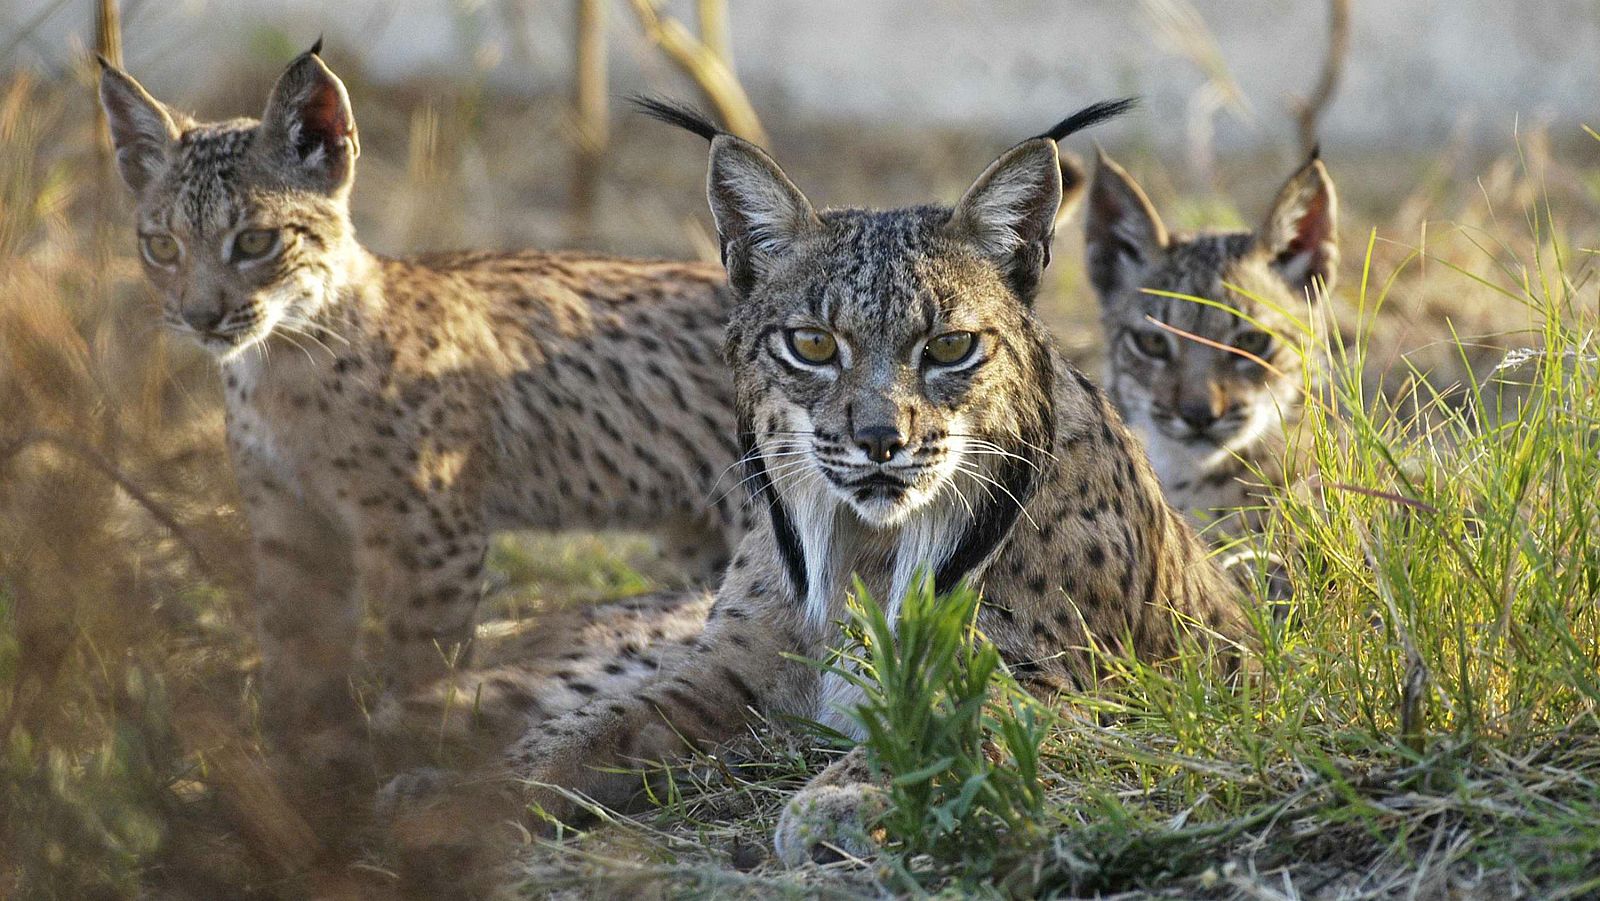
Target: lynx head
x: 242, y: 224
x: 1218, y: 394
x: 890, y: 375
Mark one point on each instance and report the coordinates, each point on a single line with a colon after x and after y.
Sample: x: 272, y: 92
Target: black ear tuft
x: 316, y: 49
x: 676, y: 113
x: 1093, y: 114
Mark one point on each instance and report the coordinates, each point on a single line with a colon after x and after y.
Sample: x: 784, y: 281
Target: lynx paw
x: 449, y: 834
x: 411, y: 790
x: 828, y: 823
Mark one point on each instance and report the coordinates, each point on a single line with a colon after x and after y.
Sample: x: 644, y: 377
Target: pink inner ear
x: 1311, y: 229
x: 323, y: 118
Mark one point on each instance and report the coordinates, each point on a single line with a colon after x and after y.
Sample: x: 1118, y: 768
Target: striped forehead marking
x: 207, y: 199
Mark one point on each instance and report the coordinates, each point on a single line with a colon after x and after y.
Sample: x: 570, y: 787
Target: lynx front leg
x: 419, y: 559
x: 307, y: 614
x: 705, y: 697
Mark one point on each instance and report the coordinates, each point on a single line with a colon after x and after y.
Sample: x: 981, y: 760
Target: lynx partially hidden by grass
x: 903, y: 412
x: 1215, y: 390
x: 383, y: 415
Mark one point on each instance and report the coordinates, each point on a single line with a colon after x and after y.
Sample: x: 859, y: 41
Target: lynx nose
x: 203, y: 319
x: 881, y: 442
x: 1198, y: 416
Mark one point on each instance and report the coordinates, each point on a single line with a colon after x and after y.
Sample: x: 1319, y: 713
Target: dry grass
x: 131, y: 764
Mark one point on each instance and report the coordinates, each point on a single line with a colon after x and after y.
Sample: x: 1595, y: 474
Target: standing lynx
x: 903, y: 412
x: 383, y: 415
x: 1214, y: 410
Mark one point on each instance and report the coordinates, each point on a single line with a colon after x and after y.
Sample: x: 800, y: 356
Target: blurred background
x: 1416, y: 71
x: 131, y: 764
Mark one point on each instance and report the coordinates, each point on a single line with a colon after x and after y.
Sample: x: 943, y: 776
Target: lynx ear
x: 1122, y: 233
x: 308, y: 126
x: 1010, y: 212
x: 758, y: 211
x: 1301, y: 232
x: 141, y: 128
x: 1074, y: 181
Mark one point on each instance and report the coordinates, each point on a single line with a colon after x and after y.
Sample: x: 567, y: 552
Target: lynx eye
x: 1150, y: 343
x: 255, y: 243
x: 950, y: 348
x: 161, y: 249
x: 813, y: 345
x: 1254, y: 343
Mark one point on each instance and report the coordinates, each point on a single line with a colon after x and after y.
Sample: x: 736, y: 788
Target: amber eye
x: 813, y: 345
x: 1150, y: 343
x: 161, y: 249
x: 950, y: 348
x: 248, y: 245
x: 1254, y: 343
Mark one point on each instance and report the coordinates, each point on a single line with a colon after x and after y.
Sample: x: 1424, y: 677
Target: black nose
x: 1198, y: 416
x: 881, y: 442
x: 204, y: 319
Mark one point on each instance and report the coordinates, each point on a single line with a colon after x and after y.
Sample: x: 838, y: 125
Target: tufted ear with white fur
x: 308, y: 127
x: 758, y: 211
x: 142, y: 131
x: 1009, y: 213
x: 1122, y: 232
x: 1300, y: 234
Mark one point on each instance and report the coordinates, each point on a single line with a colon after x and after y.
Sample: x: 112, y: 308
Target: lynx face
x: 242, y: 225
x: 1199, y: 382
x: 884, y: 386
x: 893, y: 393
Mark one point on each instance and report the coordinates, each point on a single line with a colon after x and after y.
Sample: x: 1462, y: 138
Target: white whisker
x: 753, y: 456
x: 771, y: 473
x: 978, y: 475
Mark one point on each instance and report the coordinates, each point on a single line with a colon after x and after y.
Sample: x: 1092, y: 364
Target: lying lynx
x: 383, y: 415
x: 1213, y: 393
x: 903, y: 412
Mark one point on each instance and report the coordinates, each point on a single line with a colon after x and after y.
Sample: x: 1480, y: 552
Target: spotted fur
x: 1008, y: 470
x: 384, y: 416
x: 1214, y: 394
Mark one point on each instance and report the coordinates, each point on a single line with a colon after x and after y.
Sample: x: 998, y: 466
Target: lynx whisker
x: 973, y: 472
x: 771, y: 473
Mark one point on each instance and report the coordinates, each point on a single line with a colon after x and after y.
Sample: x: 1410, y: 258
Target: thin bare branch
x: 711, y: 72
x: 591, y: 109
x: 99, y: 461
x: 107, y: 43
x: 1308, y: 111
x: 713, y: 19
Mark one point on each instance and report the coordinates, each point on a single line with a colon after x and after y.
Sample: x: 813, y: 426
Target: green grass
x: 954, y: 739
